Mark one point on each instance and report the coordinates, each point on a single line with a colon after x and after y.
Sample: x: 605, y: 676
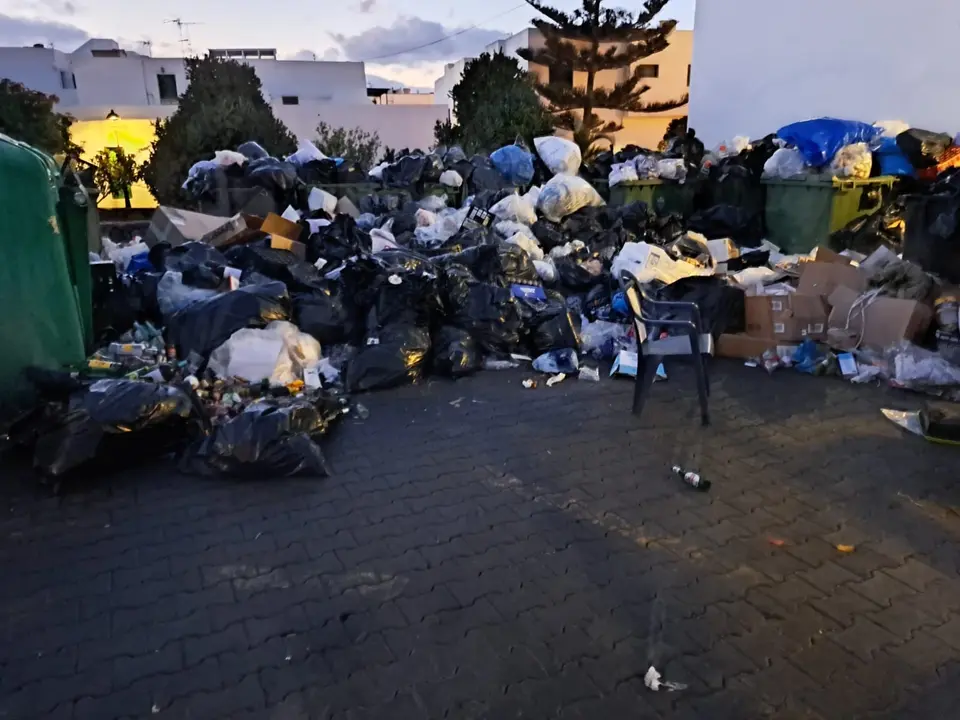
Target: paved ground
x: 485, y: 551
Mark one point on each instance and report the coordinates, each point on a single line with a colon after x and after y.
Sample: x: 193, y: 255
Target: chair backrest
x: 634, y: 297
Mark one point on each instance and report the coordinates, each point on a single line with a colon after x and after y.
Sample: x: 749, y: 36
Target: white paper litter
x: 652, y: 680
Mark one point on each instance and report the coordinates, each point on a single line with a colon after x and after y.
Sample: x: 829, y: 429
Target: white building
x: 100, y: 76
x: 667, y: 73
x: 755, y: 71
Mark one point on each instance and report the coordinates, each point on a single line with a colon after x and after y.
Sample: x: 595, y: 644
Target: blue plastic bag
x: 557, y: 361
x: 514, y: 163
x: 819, y: 140
x: 140, y: 262
x: 890, y: 158
x: 807, y: 356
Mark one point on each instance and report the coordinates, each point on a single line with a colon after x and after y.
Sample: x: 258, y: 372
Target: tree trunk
x: 592, y: 69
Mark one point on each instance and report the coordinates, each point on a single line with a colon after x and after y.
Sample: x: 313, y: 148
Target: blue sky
x: 327, y: 29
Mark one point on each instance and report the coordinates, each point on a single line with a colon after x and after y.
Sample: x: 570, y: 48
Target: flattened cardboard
x: 177, y: 227
x: 880, y: 323
x: 822, y: 278
x: 790, y: 318
x: 283, y: 235
x: 239, y: 229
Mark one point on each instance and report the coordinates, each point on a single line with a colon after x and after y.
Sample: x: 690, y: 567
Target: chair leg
x: 706, y: 371
x: 646, y: 374
x: 702, y: 388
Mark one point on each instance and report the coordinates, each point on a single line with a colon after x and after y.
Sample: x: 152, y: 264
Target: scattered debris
x: 653, y: 681
x: 556, y: 379
x: 692, y: 479
x: 846, y: 548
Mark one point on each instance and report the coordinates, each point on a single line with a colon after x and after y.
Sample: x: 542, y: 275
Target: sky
x: 380, y: 32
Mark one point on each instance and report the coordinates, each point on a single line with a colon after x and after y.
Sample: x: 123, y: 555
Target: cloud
x: 331, y: 55
x: 303, y: 55
x: 19, y: 32
x: 328, y: 55
x: 366, y: 6
x: 412, y: 32
x: 47, y: 7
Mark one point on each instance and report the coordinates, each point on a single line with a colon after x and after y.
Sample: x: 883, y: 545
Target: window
x: 108, y: 53
x: 68, y: 81
x: 168, y: 88
x: 561, y: 76
x: 290, y: 99
x: 648, y: 71
x: 689, y: 70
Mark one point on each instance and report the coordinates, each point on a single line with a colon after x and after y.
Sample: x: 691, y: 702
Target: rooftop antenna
x: 184, y: 28
x: 147, y: 46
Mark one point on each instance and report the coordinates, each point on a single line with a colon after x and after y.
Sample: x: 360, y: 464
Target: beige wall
x: 407, y: 99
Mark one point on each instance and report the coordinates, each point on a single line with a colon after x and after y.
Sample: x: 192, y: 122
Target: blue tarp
x: 890, y: 157
x: 819, y: 140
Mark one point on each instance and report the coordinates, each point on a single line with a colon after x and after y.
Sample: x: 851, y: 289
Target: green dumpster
x: 801, y: 214
x: 41, y: 322
x: 75, y: 210
x: 660, y: 196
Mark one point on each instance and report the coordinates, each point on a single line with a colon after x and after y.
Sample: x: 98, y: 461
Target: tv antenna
x: 184, y: 28
x: 147, y: 46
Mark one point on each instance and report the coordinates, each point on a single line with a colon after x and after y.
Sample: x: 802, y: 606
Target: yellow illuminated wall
x: 134, y: 136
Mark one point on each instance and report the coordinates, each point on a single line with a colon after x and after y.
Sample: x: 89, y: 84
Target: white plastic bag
x: 672, y: 169
x: 784, y: 164
x: 120, y: 255
x: 560, y: 155
x: 434, y: 203
x: 450, y: 178
x: 306, y: 152
x: 509, y: 228
x: 648, y: 262
x: 173, y: 295
x: 377, y: 172
x: 382, y: 239
x: 447, y: 225
x: 647, y: 167
x: 623, y: 172
x: 732, y: 148
x: 914, y: 367
x: 322, y: 200
x: 853, y: 161
x: 278, y: 353
x: 531, y: 246
x: 224, y: 158
x: 515, y: 208
x: 532, y: 195
x: 594, y: 335
x: 892, y: 128
x: 425, y: 218
x: 546, y: 270
x: 564, y: 195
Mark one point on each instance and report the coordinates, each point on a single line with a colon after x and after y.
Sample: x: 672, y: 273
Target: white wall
x: 343, y: 83
x: 38, y: 69
x: 755, y: 70
x: 399, y: 126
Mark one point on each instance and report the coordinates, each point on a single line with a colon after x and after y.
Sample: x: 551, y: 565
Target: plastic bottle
x: 947, y: 314
x: 692, y: 479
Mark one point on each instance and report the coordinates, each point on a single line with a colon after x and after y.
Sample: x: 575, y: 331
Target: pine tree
x: 589, y: 40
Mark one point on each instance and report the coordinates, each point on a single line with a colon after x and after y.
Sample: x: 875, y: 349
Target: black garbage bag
x: 114, y: 423
x: 464, y: 168
x: 409, y: 298
x: 583, y: 224
x: 404, y: 260
x: 455, y: 353
x: 485, y: 176
x: 549, y: 325
x: 931, y: 236
x: 319, y: 172
x: 755, y: 157
x: 274, y: 175
x: 688, y: 146
x: 453, y: 155
x: 486, y: 199
x: 252, y: 151
x: 728, y: 221
x: 141, y: 298
x: 549, y: 234
x: 394, y: 356
x: 381, y: 203
x: 350, y: 173
x: 406, y: 171
x: 489, y: 313
x: 267, y: 441
x: 574, y: 277
x: 597, y: 302
x: 482, y: 261
x: 338, y: 241
x: 922, y: 147
x: 516, y: 267
x: 403, y: 222
x: 259, y: 257
x: 433, y: 168
x: 885, y: 227
x: 200, y: 263
x: 324, y: 315
x: 204, y: 326
x: 721, y: 304
x: 599, y: 168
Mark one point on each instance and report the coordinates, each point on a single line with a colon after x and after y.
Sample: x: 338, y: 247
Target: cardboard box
x: 180, y: 226
x: 790, y: 318
x: 878, y: 323
x: 822, y: 278
x: 284, y: 235
x: 240, y: 229
x: 824, y: 254
x: 745, y: 347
